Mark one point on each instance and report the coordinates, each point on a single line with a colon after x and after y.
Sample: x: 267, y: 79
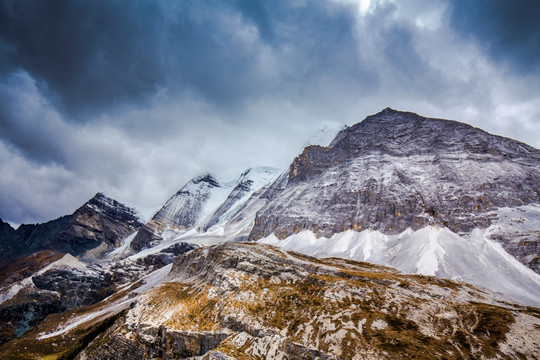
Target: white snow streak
x: 428, y: 251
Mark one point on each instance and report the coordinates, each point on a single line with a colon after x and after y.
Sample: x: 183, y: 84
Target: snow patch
x: 15, y: 288
x: 124, y: 249
x: 428, y: 251
x: 114, y: 308
x: 67, y: 261
x: 154, y: 279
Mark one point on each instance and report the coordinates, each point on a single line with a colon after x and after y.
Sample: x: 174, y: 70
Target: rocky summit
x: 100, y: 224
x: 405, y: 238
x: 398, y: 170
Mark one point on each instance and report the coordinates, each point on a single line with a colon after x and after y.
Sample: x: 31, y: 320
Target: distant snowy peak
x: 324, y: 136
x: 194, y: 202
x: 248, y: 183
x: 206, y: 203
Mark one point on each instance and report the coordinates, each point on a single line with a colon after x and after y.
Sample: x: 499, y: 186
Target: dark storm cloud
x: 28, y: 124
x: 89, y: 56
x: 84, y: 53
x: 71, y: 67
x: 508, y: 30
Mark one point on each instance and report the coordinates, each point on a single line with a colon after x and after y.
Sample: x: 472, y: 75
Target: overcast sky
x: 134, y: 98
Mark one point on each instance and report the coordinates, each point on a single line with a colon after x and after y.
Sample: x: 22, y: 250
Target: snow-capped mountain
x: 398, y: 170
x: 248, y: 183
x: 194, y: 203
x: 426, y: 196
x: 206, y: 205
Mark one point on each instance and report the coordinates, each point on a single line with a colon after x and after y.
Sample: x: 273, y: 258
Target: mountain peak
x: 388, y: 110
x: 102, y: 198
x: 102, y: 202
x: 99, y: 195
x: 206, y: 178
x: 393, y: 117
x: 194, y: 202
x: 394, y: 155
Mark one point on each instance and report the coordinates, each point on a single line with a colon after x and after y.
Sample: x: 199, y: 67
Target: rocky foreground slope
x: 252, y: 301
x: 47, y: 282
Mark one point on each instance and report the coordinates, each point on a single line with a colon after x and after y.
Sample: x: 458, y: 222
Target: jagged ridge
x: 206, y: 203
x: 101, y: 220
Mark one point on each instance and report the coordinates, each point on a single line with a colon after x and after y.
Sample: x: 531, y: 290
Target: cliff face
x: 101, y: 220
x: 396, y: 170
x: 238, y: 301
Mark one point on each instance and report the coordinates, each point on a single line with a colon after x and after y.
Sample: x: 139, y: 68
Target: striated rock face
x: 250, y: 301
x: 396, y: 170
x: 190, y: 205
x: 249, y: 182
x: 104, y: 219
x: 101, y: 220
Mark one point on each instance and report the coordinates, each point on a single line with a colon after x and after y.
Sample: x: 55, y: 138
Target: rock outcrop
x: 45, y: 283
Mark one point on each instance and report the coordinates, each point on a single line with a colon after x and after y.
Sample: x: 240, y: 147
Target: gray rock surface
x: 396, y: 170
x: 101, y: 220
